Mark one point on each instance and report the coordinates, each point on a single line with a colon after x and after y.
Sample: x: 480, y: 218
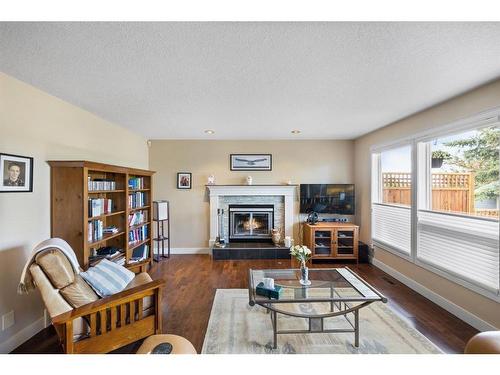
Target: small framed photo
x: 17, y: 173
x: 251, y: 162
x: 184, y: 180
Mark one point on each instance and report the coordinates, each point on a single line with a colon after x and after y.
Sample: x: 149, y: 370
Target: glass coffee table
x: 333, y: 292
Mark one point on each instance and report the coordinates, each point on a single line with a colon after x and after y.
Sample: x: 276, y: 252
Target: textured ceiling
x: 252, y: 80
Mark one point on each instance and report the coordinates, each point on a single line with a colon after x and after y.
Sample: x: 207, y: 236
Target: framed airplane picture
x: 251, y: 162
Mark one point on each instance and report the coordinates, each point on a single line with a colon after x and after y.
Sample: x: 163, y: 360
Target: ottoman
x: 179, y: 344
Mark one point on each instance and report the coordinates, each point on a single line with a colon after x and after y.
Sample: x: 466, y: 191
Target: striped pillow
x: 107, y: 278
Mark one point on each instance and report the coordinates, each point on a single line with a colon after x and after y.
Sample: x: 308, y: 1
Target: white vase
x: 288, y: 241
x: 249, y: 180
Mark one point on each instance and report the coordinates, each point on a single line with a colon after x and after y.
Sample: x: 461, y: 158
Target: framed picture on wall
x: 17, y: 173
x: 251, y: 162
x: 184, y: 180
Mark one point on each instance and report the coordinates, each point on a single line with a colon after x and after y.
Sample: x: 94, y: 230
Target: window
x: 391, y: 199
x: 457, y: 219
x: 444, y: 214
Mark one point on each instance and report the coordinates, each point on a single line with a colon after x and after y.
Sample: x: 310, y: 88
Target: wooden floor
x: 193, y: 279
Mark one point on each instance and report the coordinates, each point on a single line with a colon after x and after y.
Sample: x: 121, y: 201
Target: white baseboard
x: 21, y: 336
x: 188, y: 250
x: 449, y: 306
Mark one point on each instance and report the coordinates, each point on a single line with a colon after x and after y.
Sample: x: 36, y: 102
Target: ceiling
x: 252, y: 80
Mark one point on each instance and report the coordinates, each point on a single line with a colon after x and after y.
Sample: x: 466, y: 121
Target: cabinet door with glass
x: 323, y: 240
x: 346, y: 243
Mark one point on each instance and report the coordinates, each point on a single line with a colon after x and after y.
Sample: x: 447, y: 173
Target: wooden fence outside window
x: 453, y: 192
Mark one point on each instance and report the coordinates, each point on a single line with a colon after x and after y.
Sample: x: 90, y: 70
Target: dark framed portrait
x: 184, y: 180
x: 251, y: 162
x: 17, y: 173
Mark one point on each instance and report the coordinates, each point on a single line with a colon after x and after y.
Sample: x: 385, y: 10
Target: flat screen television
x: 327, y: 198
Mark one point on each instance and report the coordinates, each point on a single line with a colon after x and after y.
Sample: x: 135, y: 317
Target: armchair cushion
x: 108, y: 278
x: 141, y: 279
x: 57, y: 267
x: 78, y: 293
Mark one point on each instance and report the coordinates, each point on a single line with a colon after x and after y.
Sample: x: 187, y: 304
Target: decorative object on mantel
x: 211, y: 180
x: 17, y: 173
x: 288, y: 241
x: 276, y: 236
x: 302, y: 254
x: 250, y: 162
x: 220, y: 241
x: 184, y: 180
x: 249, y: 180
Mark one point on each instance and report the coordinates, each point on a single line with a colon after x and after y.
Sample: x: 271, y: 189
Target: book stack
x: 114, y: 254
x: 137, y: 235
x: 137, y: 218
x: 136, y: 200
x: 101, y: 184
x: 140, y: 253
x: 99, y: 206
x: 110, y: 230
x: 136, y: 183
x: 95, y: 230
x: 120, y: 260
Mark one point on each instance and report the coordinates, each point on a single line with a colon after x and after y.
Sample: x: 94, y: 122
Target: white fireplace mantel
x: 217, y: 191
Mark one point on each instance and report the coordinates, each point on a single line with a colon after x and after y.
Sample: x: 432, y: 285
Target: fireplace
x: 250, y: 222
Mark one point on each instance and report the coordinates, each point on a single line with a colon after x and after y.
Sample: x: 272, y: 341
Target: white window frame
x: 421, y: 169
x: 376, y: 164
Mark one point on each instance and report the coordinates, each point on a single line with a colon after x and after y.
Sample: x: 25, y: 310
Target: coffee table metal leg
x: 275, y: 329
x: 356, y: 328
x: 331, y: 296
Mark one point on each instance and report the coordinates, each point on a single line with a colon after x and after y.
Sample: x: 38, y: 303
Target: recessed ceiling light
x: 209, y: 131
x: 295, y: 131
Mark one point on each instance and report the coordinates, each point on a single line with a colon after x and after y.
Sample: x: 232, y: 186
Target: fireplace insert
x: 250, y: 222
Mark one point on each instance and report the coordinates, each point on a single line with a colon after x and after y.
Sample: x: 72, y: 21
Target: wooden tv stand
x: 332, y: 240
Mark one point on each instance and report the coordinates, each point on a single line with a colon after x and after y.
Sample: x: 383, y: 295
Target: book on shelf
x: 138, y: 234
x: 101, y: 184
x: 111, y: 230
x: 136, y: 183
x: 95, y: 230
x: 120, y: 260
x: 99, y: 206
x: 137, y: 199
x: 140, y: 253
x: 137, y: 218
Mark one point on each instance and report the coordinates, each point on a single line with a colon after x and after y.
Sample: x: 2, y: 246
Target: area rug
x: 236, y: 327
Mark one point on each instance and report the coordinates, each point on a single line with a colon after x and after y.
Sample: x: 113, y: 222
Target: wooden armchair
x: 104, y: 324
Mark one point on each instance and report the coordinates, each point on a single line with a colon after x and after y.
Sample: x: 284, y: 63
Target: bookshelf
x: 87, y: 197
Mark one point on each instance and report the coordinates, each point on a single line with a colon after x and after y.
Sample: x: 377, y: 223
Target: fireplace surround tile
x: 283, y: 197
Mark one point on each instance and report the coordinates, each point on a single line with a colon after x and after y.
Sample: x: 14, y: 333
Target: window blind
x: 465, y: 247
x: 391, y: 226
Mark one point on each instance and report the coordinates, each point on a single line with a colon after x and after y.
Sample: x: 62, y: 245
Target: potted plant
x: 438, y: 157
x: 302, y: 254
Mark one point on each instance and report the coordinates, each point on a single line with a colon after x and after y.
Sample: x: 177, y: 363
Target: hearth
x: 249, y: 223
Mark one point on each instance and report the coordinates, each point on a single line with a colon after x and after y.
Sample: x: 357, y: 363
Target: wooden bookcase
x: 70, y: 217
x: 332, y: 240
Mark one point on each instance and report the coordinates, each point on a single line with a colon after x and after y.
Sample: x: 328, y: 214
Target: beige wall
x: 36, y: 124
x: 483, y: 98
x: 298, y: 161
